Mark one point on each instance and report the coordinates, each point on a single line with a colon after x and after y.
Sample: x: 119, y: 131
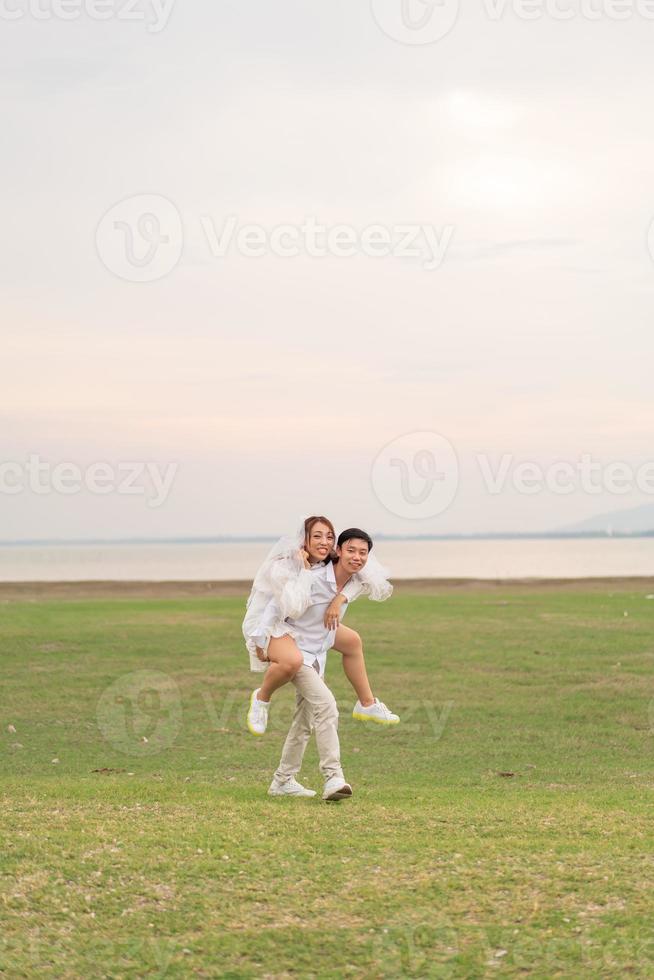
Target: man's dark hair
x: 354, y: 532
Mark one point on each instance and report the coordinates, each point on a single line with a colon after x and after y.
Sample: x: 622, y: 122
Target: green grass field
x: 503, y: 829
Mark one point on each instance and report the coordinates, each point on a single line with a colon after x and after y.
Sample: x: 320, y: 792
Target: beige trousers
x: 315, y: 706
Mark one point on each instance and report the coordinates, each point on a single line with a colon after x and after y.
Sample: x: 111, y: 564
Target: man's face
x: 353, y: 555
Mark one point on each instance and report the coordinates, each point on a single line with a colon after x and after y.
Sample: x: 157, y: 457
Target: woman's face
x: 320, y: 542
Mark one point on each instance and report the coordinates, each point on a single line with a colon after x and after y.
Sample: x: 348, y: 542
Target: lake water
x: 525, y: 558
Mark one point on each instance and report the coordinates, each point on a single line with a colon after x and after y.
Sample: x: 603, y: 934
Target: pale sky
x: 274, y: 382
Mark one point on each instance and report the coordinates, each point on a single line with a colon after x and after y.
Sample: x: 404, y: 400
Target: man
x: 315, y: 704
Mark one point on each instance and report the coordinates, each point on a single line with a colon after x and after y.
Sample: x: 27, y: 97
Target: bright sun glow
x: 478, y: 114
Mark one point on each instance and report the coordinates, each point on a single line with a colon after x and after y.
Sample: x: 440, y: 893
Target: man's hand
x: 333, y: 612
x: 304, y: 556
x: 261, y: 655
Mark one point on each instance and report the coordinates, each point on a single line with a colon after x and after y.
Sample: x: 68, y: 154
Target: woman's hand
x: 261, y: 655
x: 333, y: 612
x: 304, y: 556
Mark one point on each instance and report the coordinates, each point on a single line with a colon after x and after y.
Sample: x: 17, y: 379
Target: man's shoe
x: 377, y: 712
x: 336, y: 789
x: 290, y: 787
x: 258, y: 714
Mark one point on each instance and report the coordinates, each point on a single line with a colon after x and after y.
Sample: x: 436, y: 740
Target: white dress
x: 283, y: 577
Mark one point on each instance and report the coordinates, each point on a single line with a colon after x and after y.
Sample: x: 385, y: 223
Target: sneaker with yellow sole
x: 376, y: 712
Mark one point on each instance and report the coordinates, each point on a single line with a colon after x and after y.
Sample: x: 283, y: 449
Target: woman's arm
x: 291, y: 580
x: 333, y: 612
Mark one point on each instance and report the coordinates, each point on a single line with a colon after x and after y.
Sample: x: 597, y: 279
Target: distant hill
x: 635, y: 520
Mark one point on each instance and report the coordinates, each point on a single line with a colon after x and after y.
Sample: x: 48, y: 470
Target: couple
x: 293, y: 618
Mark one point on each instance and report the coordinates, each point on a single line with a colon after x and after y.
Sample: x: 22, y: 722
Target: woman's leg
x: 348, y: 643
x: 285, y: 661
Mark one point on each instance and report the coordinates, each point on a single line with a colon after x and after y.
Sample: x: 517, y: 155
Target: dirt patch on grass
x: 36, y: 591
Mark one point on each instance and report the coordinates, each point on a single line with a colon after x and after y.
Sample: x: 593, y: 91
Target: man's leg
x: 324, y: 713
x: 368, y: 708
x: 296, y: 741
x: 348, y: 643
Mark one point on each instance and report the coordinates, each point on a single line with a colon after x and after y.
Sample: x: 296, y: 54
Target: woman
x: 286, y: 576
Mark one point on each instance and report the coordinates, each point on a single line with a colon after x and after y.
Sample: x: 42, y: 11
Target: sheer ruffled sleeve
x: 353, y: 588
x: 281, y: 589
x: 284, y: 577
x: 290, y: 584
x: 255, y: 629
x: 374, y: 582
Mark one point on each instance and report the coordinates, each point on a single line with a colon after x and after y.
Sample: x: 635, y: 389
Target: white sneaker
x: 377, y: 712
x: 258, y: 714
x: 336, y: 789
x: 290, y: 787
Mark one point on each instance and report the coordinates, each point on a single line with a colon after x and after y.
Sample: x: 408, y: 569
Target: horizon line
x: 245, y: 539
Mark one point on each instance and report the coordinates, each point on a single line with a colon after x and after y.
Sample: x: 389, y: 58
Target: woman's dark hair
x: 354, y: 532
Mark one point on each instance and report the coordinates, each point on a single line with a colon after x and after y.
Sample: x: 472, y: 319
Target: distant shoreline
x: 264, y: 539
x: 35, y: 591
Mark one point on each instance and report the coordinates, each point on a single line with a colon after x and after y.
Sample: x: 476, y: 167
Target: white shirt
x: 311, y: 635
